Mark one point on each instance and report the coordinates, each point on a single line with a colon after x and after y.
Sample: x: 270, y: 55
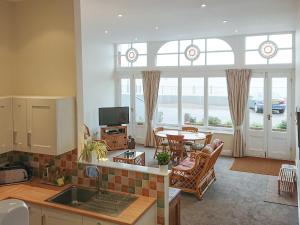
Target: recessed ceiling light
x: 203, y: 5
x: 156, y: 27
x: 106, y: 32
x: 120, y: 15
x: 136, y: 39
x: 236, y: 31
x: 225, y: 21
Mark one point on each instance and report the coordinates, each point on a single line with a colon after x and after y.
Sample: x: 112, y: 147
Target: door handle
x: 269, y: 116
x: 29, y: 139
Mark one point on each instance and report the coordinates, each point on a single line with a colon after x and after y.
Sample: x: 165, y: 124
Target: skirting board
x: 226, y: 152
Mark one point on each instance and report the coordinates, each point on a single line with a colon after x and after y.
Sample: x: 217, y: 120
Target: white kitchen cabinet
x: 92, y: 221
x: 44, y: 125
x: 55, y: 217
x: 35, y: 215
x: 20, y: 125
x: 6, y: 137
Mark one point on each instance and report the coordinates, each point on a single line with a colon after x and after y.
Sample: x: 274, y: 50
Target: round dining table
x: 187, y: 135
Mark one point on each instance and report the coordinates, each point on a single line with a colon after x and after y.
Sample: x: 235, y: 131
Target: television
x: 113, y: 116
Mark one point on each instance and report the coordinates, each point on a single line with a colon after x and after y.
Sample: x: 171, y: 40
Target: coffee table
x: 131, y: 157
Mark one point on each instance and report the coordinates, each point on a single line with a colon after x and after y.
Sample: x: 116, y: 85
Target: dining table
x: 187, y: 135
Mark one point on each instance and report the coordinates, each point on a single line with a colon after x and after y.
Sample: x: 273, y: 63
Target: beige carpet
x: 258, y: 165
x: 273, y: 196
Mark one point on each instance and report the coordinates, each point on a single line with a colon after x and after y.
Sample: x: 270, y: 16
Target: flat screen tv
x: 113, y: 116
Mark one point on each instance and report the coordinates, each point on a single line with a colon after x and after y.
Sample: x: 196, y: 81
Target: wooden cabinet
x: 44, y: 125
x: 115, y: 137
x: 6, y: 138
x: 174, y: 206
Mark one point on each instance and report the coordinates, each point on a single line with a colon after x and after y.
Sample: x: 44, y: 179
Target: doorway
x: 269, y: 116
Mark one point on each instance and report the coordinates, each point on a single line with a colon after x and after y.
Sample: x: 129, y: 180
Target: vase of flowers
x: 163, y: 159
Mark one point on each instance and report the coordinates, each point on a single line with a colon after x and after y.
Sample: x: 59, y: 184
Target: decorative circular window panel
x: 132, y: 55
x: 268, y: 49
x: 192, y: 52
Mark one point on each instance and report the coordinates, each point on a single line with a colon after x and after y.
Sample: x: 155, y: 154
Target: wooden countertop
x: 37, y: 193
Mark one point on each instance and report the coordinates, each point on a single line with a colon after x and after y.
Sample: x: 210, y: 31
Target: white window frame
x: 268, y: 60
x: 205, y: 52
x: 180, y: 124
x: 130, y: 63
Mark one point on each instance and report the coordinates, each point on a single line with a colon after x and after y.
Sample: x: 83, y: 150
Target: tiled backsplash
x: 113, y: 179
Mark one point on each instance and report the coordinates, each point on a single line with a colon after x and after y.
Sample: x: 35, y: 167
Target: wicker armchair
x: 196, y: 173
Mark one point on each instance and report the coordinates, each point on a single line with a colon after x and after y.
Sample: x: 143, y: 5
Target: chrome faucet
x: 93, y: 171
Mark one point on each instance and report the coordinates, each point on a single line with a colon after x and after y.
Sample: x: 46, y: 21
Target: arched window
x: 269, y: 49
x: 195, y: 52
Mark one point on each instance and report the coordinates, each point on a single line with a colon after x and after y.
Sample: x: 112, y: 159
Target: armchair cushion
x: 216, y: 143
x: 208, y: 149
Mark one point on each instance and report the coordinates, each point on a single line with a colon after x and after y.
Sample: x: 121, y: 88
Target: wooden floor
x: 258, y: 165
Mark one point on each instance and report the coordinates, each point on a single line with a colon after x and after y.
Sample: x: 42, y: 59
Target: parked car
x: 257, y: 104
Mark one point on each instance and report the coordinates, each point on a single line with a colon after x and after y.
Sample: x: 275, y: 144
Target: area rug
x: 258, y: 165
x: 284, y: 198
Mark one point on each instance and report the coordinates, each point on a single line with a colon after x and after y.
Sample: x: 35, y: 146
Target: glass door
x: 279, y: 117
x: 256, y: 141
x: 268, y: 133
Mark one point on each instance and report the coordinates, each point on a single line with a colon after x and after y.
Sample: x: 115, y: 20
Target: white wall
x: 97, y: 71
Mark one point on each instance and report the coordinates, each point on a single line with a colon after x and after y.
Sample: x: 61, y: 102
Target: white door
x: 279, y: 117
x: 41, y: 125
x: 268, y: 132
x: 20, y: 124
x: 6, y: 125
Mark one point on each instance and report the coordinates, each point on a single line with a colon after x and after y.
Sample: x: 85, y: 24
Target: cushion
x: 216, y: 143
x: 197, y: 146
x: 164, y: 143
x: 208, y: 149
x: 187, y: 162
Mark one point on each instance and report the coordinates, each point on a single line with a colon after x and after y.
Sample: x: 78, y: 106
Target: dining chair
x: 193, y: 130
x: 176, y: 146
x: 200, y: 146
x: 161, y: 144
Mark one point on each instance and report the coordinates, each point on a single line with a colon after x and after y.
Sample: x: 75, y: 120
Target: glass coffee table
x: 131, y: 157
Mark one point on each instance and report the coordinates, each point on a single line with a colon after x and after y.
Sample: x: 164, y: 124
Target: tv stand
x: 115, y: 137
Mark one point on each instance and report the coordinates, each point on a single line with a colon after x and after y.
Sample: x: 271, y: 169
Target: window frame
x: 268, y: 38
x: 180, y: 122
x: 119, y: 56
x: 205, y: 52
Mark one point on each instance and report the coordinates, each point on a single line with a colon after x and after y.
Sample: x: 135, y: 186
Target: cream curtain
x: 150, y: 86
x: 238, y: 83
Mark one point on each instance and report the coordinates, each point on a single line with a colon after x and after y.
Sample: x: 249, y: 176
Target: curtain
x: 150, y: 86
x: 238, y: 83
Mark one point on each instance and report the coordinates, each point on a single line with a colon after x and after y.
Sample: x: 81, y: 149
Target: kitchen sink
x: 104, y: 202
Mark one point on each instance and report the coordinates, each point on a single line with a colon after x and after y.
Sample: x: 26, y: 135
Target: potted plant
x: 163, y: 159
x: 99, y: 148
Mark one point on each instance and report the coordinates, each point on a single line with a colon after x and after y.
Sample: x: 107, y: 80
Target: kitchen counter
x: 37, y: 193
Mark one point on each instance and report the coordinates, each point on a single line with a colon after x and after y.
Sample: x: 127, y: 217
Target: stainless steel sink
x: 105, y: 202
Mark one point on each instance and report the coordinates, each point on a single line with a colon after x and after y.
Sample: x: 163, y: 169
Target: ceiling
x: 178, y: 19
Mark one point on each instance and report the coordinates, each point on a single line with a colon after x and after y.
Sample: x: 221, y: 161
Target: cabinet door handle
x: 29, y: 139
x: 98, y: 223
x: 14, y: 137
x: 43, y: 219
